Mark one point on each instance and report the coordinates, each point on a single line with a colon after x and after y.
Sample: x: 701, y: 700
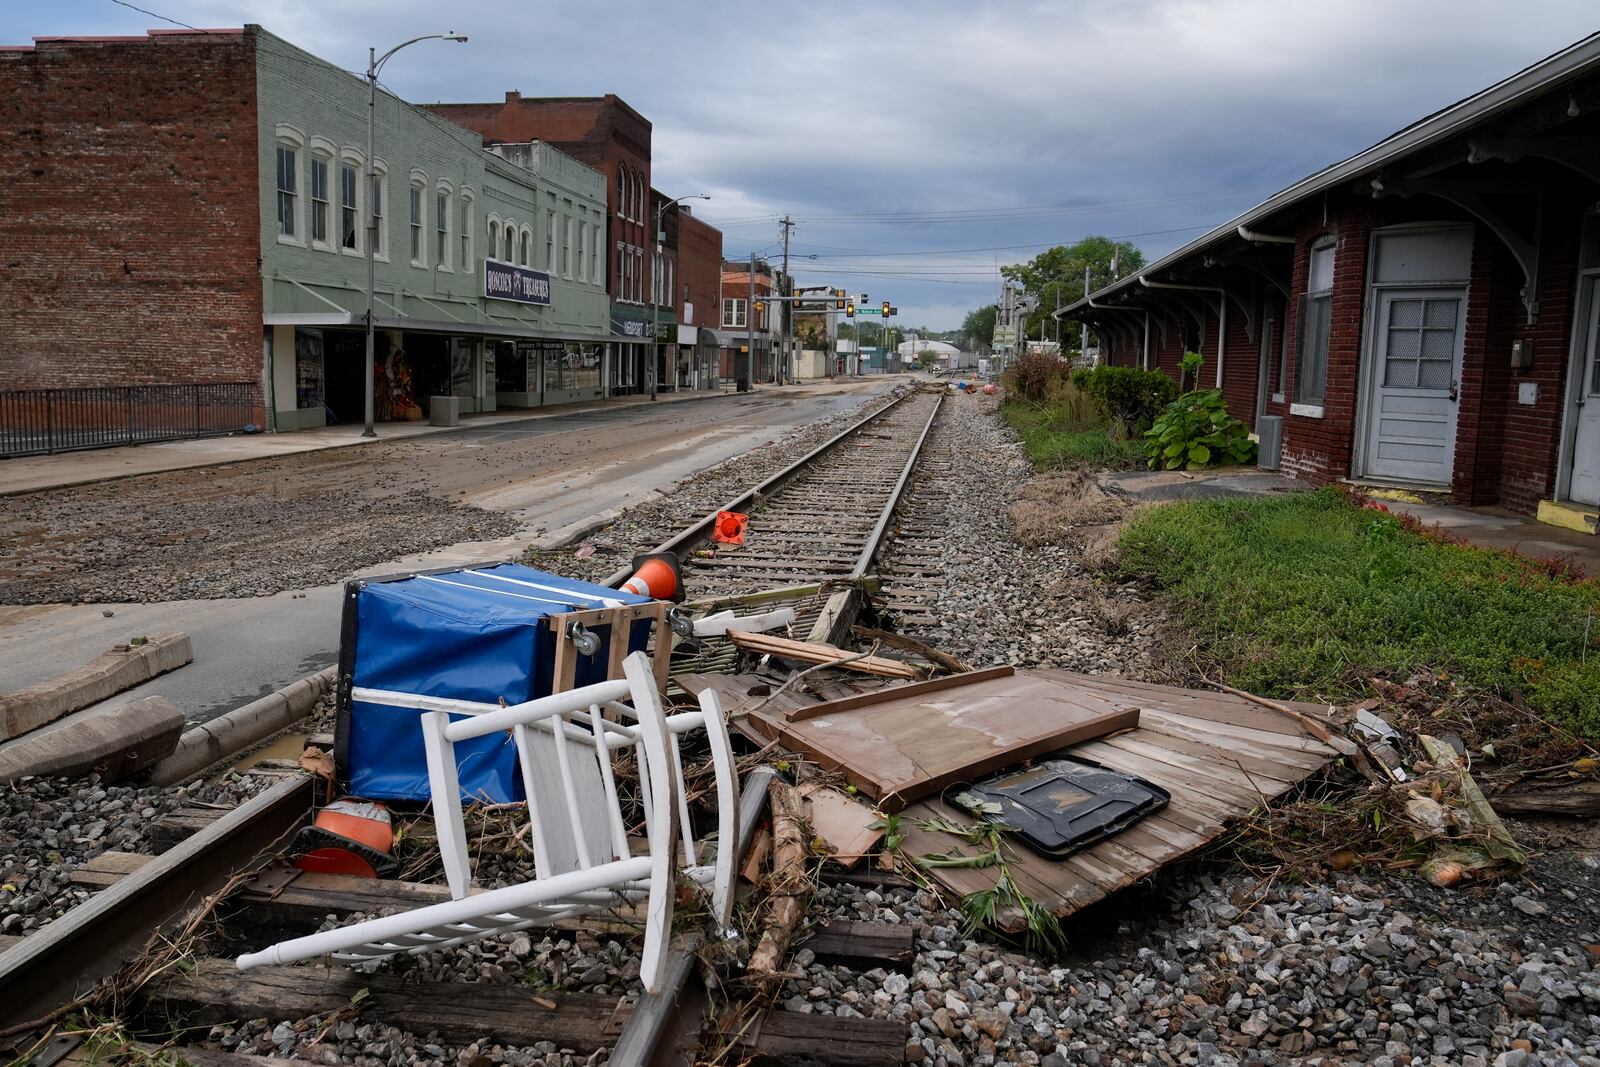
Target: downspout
x: 1144, y: 360
x: 1145, y: 356
x: 1257, y: 237
x: 1222, y: 315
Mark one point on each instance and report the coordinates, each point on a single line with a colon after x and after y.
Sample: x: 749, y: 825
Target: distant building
x: 699, y: 297
x: 743, y: 324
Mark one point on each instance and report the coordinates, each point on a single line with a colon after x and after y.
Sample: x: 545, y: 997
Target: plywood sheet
x: 902, y: 747
x: 844, y: 824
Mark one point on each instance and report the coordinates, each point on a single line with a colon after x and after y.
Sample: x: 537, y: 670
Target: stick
x: 788, y: 880
x: 807, y: 652
x: 770, y: 697
x: 911, y: 644
x: 1312, y: 726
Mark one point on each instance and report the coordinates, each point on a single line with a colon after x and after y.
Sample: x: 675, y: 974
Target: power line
x: 154, y: 15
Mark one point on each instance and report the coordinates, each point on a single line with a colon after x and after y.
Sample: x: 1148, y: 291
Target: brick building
x: 745, y: 328
x: 613, y: 138
x: 698, y: 296
x: 1424, y: 314
x: 189, y: 210
x: 128, y: 213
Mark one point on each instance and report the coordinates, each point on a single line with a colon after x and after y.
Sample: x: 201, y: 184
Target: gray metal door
x: 1416, y: 384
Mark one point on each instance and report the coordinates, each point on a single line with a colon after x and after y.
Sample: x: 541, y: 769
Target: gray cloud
x: 1121, y: 117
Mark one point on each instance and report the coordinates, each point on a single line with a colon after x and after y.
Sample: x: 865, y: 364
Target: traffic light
x: 838, y: 305
x: 761, y: 305
x: 886, y: 308
x: 850, y: 310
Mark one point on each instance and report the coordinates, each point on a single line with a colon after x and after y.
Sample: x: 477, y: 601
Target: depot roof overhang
x: 1548, y: 75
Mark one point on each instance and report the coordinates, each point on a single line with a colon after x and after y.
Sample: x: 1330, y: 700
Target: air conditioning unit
x: 1269, y: 429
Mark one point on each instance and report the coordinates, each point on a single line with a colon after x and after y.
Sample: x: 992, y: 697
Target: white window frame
x: 597, y: 264
x: 1312, y: 406
x: 321, y: 150
x: 525, y: 246
x: 491, y: 227
x: 348, y: 157
x: 736, y: 320
x: 583, y: 250
x: 469, y: 234
x: 380, y: 229
x: 291, y: 140
x: 444, y: 209
x: 417, y: 218
x: 550, y: 242
x: 508, y: 242
x: 569, y: 224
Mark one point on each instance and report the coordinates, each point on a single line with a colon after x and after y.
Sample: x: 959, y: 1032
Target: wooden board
x: 842, y: 823
x: 1220, y: 755
x: 862, y: 946
x: 900, y: 747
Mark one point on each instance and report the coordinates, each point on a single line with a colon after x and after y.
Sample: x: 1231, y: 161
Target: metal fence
x: 34, y: 421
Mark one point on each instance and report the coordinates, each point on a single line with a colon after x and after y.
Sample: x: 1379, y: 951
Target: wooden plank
x: 1256, y: 766
x: 215, y: 992
x: 791, y: 1037
x: 806, y: 652
x: 902, y: 748
x: 1220, y: 795
x: 107, y: 869
x: 1215, y: 765
x: 843, y: 823
x: 865, y: 945
x: 1258, y: 739
x: 1220, y: 707
x: 901, y: 692
x: 1302, y: 763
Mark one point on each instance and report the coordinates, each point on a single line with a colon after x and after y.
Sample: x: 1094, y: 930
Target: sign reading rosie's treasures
x: 505, y: 282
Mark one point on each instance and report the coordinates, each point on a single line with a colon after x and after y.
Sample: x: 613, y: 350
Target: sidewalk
x: 26, y: 474
x: 1487, y: 527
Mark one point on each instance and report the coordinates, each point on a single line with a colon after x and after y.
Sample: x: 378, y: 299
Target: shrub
x: 1034, y: 376
x: 1197, y: 431
x: 1127, y: 395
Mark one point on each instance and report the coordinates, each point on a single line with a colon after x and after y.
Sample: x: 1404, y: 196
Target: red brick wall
x: 601, y: 131
x: 699, y: 271
x: 129, y: 228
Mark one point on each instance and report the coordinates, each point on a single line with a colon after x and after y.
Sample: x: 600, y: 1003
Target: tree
x: 978, y: 328
x: 1056, y: 275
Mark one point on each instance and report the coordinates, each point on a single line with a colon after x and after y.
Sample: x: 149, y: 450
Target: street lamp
x: 375, y: 64
x: 655, y: 280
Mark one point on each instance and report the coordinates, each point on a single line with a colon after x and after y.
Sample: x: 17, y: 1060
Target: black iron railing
x: 34, y: 421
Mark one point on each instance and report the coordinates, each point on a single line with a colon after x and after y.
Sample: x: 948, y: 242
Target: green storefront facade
x: 489, y: 266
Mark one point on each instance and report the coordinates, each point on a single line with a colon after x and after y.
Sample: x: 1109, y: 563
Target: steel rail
x: 881, y: 528
x: 691, y: 536
x: 61, y: 962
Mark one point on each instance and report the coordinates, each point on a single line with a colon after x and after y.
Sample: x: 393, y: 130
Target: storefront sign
x: 687, y: 335
x: 626, y: 322
x: 505, y: 282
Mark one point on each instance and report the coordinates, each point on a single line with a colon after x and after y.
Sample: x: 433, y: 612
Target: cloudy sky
x: 920, y: 144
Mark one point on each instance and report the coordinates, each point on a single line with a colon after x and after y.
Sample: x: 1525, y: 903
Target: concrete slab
x: 123, y: 667
x: 113, y: 744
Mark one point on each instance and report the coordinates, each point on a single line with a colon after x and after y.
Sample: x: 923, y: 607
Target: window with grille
x: 1421, y: 342
x: 416, y: 225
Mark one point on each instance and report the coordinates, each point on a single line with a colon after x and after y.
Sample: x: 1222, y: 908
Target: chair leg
x: 660, y: 817
x: 445, y: 786
x: 727, y: 809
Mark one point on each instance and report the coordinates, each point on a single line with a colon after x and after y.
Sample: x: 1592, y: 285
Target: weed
x: 1308, y: 595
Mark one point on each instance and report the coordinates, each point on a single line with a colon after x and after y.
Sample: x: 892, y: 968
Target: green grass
x: 1054, y: 438
x: 1309, y: 595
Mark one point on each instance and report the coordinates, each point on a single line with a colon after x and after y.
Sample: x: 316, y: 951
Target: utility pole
x: 750, y: 323
x: 788, y: 312
x: 1083, y: 324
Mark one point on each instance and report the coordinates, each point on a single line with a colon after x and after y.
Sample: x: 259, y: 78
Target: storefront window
x: 461, y: 376
x: 555, y: 366
x: 584, y: 365
x: 309, y: 385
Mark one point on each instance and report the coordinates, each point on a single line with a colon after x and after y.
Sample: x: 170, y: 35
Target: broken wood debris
x: 806, y: 652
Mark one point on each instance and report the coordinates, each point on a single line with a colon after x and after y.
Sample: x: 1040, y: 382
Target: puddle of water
x: 286, y: 747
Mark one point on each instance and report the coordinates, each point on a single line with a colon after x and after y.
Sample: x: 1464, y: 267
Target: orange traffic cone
x: 349, y: 836
x: 657, y: 575
x: 729, y: 528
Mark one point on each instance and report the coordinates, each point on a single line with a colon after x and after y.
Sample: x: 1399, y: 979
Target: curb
x: 237, y: 730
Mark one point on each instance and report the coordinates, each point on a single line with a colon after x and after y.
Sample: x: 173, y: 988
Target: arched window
x: 511, y: 243
x: 494, y: 238
x: 522, y: 251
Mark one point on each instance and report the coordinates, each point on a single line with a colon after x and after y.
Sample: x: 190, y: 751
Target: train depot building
x: 1423, y: 314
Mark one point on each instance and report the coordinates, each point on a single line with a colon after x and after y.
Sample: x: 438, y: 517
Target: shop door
x: 1416, y: 384
x: 1584, y: 487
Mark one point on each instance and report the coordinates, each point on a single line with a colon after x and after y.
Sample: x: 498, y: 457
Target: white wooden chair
x: 567, y: 748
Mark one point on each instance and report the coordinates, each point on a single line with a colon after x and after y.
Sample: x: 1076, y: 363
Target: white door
x: 1411, y: 422
x: 1585, y: 484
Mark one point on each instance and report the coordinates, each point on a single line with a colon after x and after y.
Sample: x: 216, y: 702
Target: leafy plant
x: 1034, y: 377
x: 1197, y: 431
x: 1042, y: 932
x: 1127, y: 395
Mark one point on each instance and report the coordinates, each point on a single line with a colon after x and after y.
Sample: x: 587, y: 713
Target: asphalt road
x: 553, y: 476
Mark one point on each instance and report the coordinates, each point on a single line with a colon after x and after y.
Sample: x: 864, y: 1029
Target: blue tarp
x: 473, y: 634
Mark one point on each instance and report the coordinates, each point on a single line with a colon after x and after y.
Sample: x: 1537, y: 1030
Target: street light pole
x: 374, y: 65
x: 655, y: 278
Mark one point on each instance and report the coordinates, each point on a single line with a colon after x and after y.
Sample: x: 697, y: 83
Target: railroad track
x: 815, y: 526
